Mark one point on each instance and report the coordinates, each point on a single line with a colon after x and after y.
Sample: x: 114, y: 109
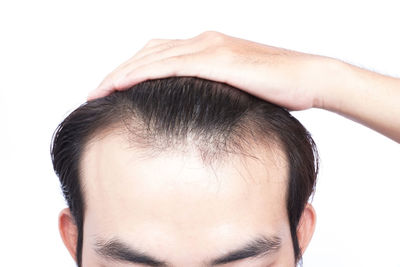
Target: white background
x: 52, y: 53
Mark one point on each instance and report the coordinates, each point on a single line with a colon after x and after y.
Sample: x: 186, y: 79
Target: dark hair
x: 160, y: 113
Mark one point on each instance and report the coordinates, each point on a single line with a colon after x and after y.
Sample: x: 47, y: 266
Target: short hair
x: 160, y: 113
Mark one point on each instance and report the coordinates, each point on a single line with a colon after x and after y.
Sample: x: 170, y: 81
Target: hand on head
x: 271, y: 73
x: 284, y: 77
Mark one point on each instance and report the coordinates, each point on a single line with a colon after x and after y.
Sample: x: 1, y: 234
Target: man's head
x: 184, y: 171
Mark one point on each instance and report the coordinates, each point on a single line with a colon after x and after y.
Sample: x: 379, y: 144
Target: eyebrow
x: 258, y: 247
x: 117, y: 250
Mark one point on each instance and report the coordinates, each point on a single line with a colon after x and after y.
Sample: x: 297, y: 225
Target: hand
x: 285, y: 77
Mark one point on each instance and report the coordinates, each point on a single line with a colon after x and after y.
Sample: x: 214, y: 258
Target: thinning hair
x: 162, y: 114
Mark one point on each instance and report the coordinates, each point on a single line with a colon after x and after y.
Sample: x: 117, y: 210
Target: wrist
x: 332, y: 77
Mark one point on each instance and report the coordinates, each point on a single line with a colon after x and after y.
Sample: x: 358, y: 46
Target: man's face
x: 171, y: 210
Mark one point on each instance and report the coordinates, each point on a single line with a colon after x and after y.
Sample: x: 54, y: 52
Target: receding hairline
x: 257, y: 147
x: 246, y: 139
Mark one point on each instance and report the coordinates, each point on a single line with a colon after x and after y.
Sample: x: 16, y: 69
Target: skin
x: 188, y: 215
x: 285, y: 77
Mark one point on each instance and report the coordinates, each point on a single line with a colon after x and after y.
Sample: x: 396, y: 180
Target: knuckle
x: 212, y: 35
x: 213, y: 41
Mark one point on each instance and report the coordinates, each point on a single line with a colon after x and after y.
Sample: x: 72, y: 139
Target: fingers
x: 151, y: 46
x: 155, y: 54
x: 179, y: 65
x: 136, y: 73
x: 151, y: 59
x: 156, y: 45
x: 156, y: 42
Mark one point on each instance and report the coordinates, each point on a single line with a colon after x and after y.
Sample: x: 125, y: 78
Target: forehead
x: 174, y: 196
